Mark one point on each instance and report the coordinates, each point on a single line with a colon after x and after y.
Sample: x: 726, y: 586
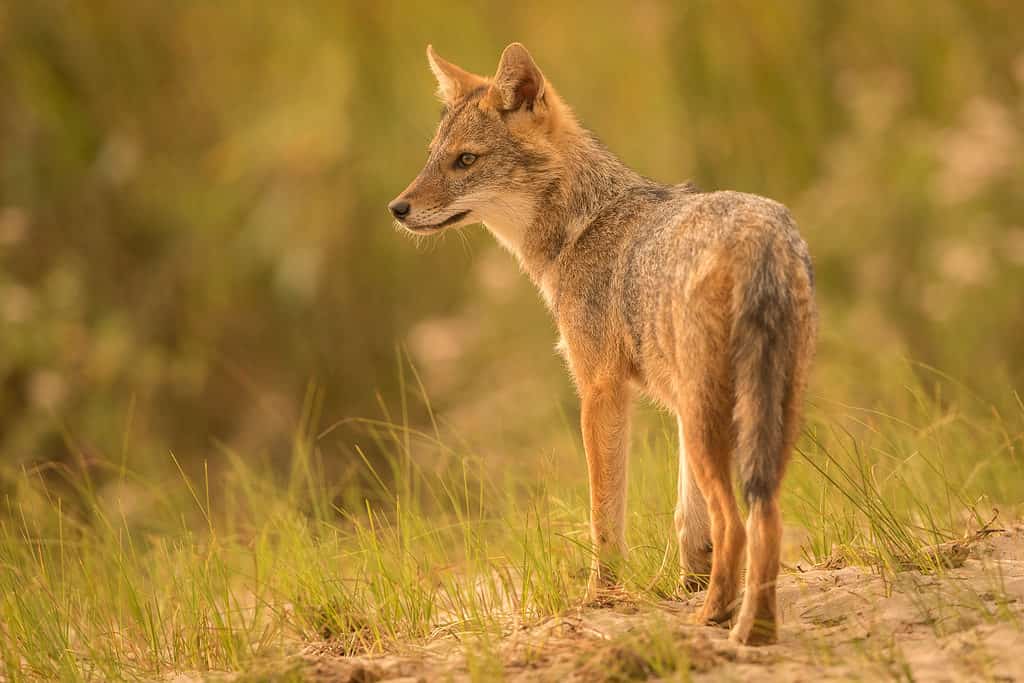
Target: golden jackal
x: 702, y: 300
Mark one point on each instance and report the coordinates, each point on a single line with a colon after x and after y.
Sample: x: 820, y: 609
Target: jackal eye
x: 465, y: 160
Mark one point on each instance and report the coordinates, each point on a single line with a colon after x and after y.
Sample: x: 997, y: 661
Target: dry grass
x: 154, y: 577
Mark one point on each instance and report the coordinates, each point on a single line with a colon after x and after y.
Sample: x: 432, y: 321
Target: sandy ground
x: 964, y: 623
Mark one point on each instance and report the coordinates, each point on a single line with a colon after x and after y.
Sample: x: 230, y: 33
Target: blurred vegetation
x: 192, y: 223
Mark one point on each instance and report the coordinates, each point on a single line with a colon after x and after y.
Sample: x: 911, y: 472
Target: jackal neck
x: 585, y: 179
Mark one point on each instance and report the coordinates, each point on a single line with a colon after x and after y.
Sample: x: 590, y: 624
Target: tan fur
x: 703, y: 301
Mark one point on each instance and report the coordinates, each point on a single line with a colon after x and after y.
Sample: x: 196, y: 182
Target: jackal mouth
x: 451, y: 220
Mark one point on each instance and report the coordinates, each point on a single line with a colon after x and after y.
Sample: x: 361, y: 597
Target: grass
x: 148, y: 574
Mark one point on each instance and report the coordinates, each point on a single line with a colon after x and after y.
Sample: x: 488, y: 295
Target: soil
x: 963, y: 622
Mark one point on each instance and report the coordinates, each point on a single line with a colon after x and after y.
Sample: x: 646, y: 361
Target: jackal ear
x: 453, y: 82
x: 518, y: 81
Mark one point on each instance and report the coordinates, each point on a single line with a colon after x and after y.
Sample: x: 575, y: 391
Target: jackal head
x: 494, y: 153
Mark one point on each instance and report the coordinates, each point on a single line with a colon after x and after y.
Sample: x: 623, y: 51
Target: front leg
x: 605, y: 422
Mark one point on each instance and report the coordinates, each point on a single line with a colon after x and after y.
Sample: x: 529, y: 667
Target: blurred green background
x: 193, y: 225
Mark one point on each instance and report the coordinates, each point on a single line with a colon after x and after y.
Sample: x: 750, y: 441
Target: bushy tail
x: 765, y: 342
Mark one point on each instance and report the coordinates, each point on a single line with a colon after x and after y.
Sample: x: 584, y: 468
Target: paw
x: 607, y: 569
x: 695, y: 568
x: 604, y: 588
x: 754, y: 632
x: 714, y: 615
x: 605, y: 596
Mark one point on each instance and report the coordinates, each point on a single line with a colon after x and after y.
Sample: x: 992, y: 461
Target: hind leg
x: 705, y: 401
x: 757, y: 621
x: 693, y: 525
x: 707, y: 443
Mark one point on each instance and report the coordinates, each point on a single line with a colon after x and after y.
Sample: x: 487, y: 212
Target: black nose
x: 399, y: 209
